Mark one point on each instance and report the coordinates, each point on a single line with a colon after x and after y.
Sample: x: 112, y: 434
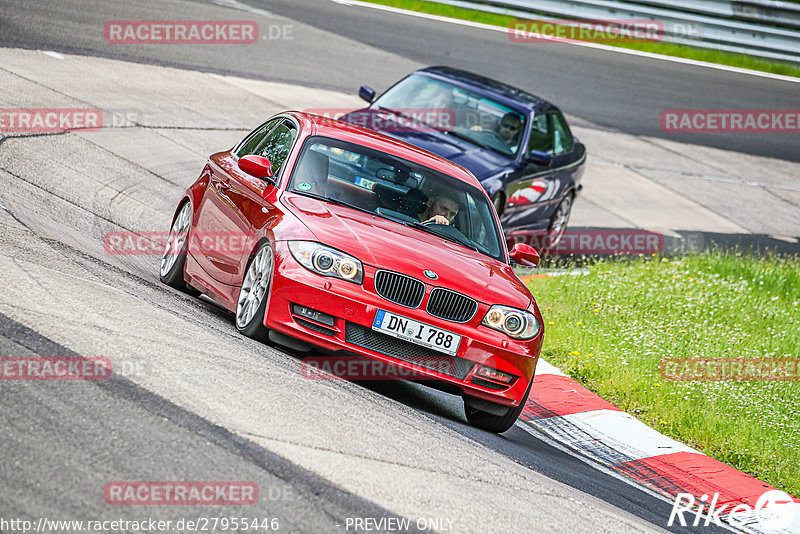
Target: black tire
x: 171, y: 271
x: 496, y: 423
x: 498, y: 200
x: 560, y: 219
x: 251, y: 304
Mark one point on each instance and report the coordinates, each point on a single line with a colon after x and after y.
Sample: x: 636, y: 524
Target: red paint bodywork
x: 225, y: 199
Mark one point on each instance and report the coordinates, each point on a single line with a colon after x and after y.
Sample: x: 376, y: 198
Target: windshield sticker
x: 304, y: 186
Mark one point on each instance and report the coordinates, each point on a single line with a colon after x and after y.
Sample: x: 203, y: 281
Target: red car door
x: 234, y: 204
x: 221, y: 225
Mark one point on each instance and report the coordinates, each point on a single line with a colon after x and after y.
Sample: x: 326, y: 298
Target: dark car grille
x: 451, y: 306
x: 408, y: 352
x: 488, y: 384
x: 316, y: 327
x: 399, y: 288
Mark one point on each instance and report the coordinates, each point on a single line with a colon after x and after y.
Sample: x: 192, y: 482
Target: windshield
x: 466, y: 114
x: 407, y: 193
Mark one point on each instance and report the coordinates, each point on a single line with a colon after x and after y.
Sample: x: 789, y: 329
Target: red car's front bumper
x: 353, y: 308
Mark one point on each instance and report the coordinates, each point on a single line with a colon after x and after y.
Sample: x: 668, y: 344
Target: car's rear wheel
x: 492, y: 422
x: 559, y: 220
x: 173, y: 261
x: 254, y: 294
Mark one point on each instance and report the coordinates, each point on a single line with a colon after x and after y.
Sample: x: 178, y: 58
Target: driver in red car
x: 441, y: 208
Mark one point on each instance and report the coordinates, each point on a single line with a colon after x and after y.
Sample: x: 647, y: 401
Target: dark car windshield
x: 467, y: 114
x: 393, y: 188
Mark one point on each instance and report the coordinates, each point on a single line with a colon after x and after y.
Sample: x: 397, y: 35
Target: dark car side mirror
x: 256, y: 166
x: 543, y: 159
x: 367, y: 93
x: 525, y: 255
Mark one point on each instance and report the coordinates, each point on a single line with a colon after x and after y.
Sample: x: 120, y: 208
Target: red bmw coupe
x: 317, y: 233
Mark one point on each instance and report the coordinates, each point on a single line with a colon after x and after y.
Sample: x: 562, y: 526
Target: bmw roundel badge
x: 430, y: 274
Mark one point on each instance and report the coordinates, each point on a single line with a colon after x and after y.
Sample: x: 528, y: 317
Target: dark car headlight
x: 516, y: 323
x: 327, y: 261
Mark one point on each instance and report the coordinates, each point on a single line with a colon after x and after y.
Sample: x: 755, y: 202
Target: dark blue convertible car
x: 518, y: 145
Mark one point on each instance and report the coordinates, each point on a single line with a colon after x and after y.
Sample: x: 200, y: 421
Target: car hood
x: 481, y: 162
x: 385, y: 244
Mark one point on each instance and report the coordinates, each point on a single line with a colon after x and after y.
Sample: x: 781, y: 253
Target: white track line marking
x: 546, y: 368
x: 479, y: 25
x: 623, y: 432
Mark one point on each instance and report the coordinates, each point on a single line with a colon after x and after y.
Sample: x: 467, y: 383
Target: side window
x: 541, y: 138
x: 562, y: 139
x: 256, y: 136
x: 275, y: 146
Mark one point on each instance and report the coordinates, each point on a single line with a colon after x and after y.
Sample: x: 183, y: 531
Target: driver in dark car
x: 509, y: 128
x: 441, y: 208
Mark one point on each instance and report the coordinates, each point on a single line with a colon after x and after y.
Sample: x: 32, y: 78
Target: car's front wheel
x: 492, y: 422
x: 174, y: 259
x: 253, y: 295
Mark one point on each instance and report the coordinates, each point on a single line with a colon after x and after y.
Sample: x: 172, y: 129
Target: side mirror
x: 366, y: 93
x: 257, y: 166
x: 543, y: 159
x: 525, y: 255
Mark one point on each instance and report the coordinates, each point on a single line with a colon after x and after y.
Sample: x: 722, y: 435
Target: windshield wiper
x: 468, y: 139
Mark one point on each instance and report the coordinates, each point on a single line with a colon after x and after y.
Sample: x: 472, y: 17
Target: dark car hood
x: 481, y: 162
x: 386, y: 244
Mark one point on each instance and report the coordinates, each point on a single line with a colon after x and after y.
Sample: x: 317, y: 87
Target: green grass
x: 610, y: 328
x: 689, y: 52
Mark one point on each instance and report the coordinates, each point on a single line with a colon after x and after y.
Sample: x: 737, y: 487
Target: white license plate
x: 416, y: 332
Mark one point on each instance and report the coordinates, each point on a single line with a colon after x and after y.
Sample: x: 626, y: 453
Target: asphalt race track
x: 191, y: 399
x: 610, y: 90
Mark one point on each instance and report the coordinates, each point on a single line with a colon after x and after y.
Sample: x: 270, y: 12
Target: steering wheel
x: 495, y: 134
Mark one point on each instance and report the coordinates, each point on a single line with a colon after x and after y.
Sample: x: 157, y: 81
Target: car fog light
x: 494, y: 374
x: 311, y: 313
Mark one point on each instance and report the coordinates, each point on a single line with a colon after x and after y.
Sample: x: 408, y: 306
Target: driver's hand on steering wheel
x: 437, y: 219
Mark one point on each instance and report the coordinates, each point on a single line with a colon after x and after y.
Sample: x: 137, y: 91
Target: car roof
x: 489, y: 87
x: 326, y: 126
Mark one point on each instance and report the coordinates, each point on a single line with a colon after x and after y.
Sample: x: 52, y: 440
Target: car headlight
x: 327, y: 261
x: 516, y: 323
